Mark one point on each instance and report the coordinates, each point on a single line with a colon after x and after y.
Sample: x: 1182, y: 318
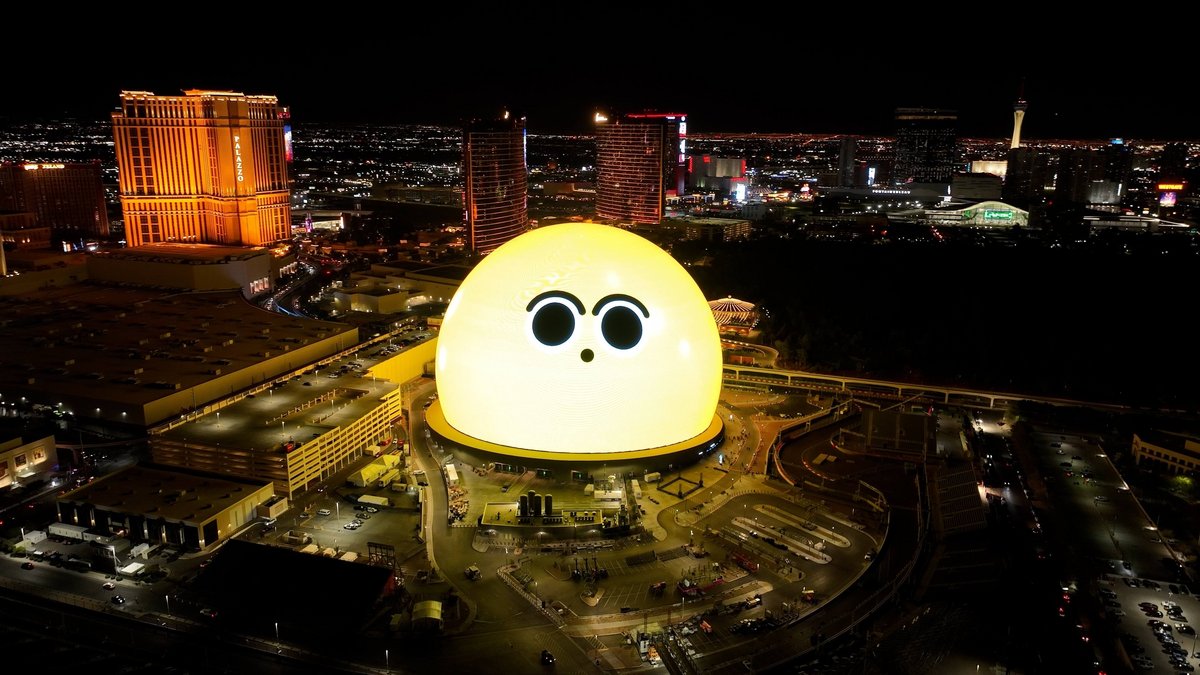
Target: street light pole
x: 168, y: 599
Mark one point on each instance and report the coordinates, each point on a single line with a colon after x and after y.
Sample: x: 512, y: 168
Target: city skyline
x: 768, y: 95
x: 833, y: 377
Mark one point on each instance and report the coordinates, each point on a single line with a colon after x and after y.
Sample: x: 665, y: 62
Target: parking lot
x: 1154, y: 620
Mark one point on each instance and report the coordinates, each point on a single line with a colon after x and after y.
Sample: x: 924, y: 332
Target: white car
x: 323, y: 512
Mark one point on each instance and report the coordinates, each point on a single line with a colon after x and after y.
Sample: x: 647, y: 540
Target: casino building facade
x: 639, y: 163
x: 494, y: 182
x: 207, y: 167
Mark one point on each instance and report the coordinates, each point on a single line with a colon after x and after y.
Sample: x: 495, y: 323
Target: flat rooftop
x: 453, y: 272
x: 339, y: 596
x: 1177, y: 441
x: 91, y: 339
x: 292, y: 414
x: 709, y: 220
x: 296, y: 412
x: 165, y: 494
x: 192, y: 253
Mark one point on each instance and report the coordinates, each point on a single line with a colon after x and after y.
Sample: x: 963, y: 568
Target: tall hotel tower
x: 926, y: 147
x: 495, y: 185
x: 206, y: 167
x: 66, y: 197
x: 639, y: 162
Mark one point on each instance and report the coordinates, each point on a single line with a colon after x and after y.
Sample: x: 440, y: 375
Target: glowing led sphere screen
x: 579, y: 338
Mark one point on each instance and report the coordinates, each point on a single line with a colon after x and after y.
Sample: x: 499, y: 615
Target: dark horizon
x: 1091, y: 104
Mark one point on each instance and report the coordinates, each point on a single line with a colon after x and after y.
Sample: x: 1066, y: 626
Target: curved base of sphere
x: 676, y: 453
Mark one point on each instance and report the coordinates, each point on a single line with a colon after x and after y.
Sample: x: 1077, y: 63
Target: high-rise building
x: 206, y: 167
x: 926, y: 145
x: 1118, y: 167
x: 66, y: 198
x: 640, y: 160
x: 1078, y: 170
x: 1173, y: 163
x: 846, y: 162
x: 495, y: 182
x: 1029, y: 171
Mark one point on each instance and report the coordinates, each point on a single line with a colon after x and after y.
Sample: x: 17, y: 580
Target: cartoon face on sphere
x: 579, y: 338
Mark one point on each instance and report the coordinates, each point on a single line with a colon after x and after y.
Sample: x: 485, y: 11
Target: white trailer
x: 67, y: 531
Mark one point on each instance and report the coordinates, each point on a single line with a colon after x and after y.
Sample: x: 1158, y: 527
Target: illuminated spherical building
x: 578, y: 342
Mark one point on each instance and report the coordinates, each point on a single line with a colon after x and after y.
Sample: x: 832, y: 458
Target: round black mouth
x: 587, y: 355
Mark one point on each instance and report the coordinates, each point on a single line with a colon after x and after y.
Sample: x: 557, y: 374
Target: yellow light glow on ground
x: 579, y: 338
x: 436, y: 420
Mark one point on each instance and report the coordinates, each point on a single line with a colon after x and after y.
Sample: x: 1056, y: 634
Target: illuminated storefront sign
x: 579, y: 338
x: 35, y: 167
x: 997, y: 214
x: 1170, y: 187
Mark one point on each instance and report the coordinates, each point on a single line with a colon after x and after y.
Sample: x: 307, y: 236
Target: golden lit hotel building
x: 207, y: 167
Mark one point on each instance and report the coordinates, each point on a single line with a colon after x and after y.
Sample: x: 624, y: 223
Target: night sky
x: 822, y: 79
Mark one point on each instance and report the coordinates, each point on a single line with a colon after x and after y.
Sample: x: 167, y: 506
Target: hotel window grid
x: 637, y: 162
x: 495, y: 182
x: 181, y: 147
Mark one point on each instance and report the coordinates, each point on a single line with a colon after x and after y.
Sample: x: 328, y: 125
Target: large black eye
x: 553, y: 324
x: 621, y: 327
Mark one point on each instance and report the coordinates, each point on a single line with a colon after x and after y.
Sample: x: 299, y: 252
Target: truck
x: 374, y: 501
x: 652, y: 477
x: 743, y: 561
x: 387, y: 478
x: 637, y: 489
x: 473, y: 573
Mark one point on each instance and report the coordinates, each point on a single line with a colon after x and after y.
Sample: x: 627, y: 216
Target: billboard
x: 1168, y: 194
